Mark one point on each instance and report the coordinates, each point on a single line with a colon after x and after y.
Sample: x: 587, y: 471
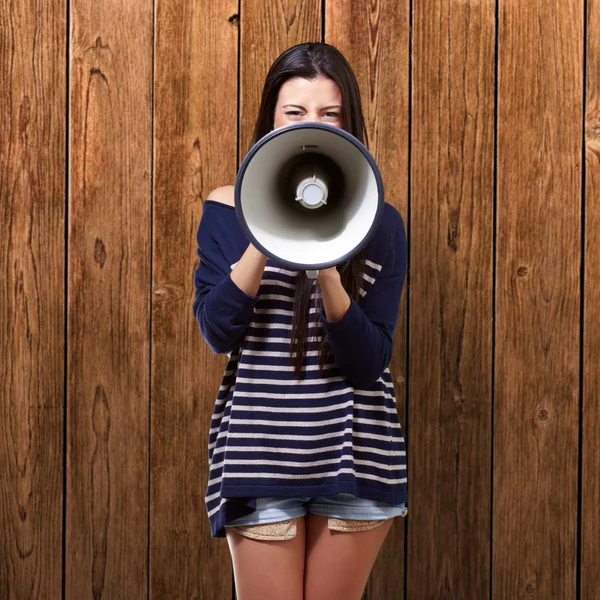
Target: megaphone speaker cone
x: 309, y: 196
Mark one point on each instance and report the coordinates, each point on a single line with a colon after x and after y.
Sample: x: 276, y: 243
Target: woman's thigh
x: 268, y: 570
x: 339, y: 563
x: 344, y: 534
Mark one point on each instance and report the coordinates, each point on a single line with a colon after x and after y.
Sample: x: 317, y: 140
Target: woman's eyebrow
x: 302, y: 107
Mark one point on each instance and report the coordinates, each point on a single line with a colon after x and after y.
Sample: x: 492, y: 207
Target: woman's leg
x: 268, y: 570
x: 338, y: 563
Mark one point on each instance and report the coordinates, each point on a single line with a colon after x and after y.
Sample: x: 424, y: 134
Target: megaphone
x: 309, y: 196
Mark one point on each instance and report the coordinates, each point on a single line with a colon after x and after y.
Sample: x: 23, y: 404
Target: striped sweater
x: 336, y: 429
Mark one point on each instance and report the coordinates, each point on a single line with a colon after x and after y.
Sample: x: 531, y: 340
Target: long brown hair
x: 309, y: 60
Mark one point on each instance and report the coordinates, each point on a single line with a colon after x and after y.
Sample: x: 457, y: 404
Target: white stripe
x: 291, y: 286
x: 288, y: 436
x: 367, y: 278
x: 289, y: 396
x: 321, y: 423
x: 278, y: 340
x: 273, y: 325
x: 313, y: 410
x: 261, y: 367
x: 314, y: 476
x: 274, y: 311
x: 333, y: 448
x: 293, y: 409
x: 373, y: 265
x: 362, y: 292
x: 299, y: 382
x: 276, y: 297
x: 312, y: 463
x: 280, y: 270
x: 281, y: 311
x: 281, y: 297
x: 278, y: 354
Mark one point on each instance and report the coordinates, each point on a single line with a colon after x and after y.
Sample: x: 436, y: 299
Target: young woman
x: 307, y: 465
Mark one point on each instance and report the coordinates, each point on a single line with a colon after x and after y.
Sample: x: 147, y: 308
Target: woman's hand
x: 330, y: 272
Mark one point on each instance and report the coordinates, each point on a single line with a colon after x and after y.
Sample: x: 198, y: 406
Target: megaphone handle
x: 312, y: 274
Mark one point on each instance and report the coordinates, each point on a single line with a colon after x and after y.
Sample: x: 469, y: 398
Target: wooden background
x: 116, y: 121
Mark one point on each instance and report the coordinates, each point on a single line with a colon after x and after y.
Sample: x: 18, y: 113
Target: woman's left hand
x: 327, y: 274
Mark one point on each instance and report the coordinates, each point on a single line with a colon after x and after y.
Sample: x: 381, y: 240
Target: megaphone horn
x: 309, y: 196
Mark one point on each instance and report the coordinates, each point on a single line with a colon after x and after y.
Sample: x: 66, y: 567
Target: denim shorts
x: 342, y: 506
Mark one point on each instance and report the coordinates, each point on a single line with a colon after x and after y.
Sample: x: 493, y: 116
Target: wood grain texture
x: 108, y: 300
x: 267, y: 30
x: 32, y: 266
x: 451, y: 300
x: 374, y: 38
x: 536, y: 399
x: 151, y: 94
x: 195, y: 151
x: 590, y: 484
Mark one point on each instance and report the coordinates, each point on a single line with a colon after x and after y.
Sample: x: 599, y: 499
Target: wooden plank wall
x: 117, y: 120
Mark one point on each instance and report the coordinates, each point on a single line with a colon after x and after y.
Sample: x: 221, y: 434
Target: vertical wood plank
x: 195, y: 149
x: 449, y: 442
x: 268, y: 30
x: 374, y: 38
x: 536, y: 397
x: 108, y: 300
x: 590, y: 492
x: 32, y: 299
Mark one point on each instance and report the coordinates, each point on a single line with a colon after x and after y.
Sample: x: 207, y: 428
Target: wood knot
x: 169, y: 291
x: 453, y: 229
x: 531, y: 587
x: 522, y: 271
x: 99, y: 253
x: 234, y: 19
x: 543, y: 415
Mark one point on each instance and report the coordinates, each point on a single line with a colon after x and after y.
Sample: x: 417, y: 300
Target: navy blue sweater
x: 345, y: 413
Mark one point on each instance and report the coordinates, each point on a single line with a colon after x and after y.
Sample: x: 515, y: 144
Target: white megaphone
x: 309, y: 196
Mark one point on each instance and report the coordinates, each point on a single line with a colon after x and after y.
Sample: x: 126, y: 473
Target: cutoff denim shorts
x: 364, y: 514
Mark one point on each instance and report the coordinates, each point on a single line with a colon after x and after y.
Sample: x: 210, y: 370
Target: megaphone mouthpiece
x: 312, y: 187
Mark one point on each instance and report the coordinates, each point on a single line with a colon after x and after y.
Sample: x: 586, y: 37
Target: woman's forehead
x: 315, y: 92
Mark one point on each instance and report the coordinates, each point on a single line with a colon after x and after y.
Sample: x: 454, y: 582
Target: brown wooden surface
x: 375, y: 40
x: 590, y: 484
x: 195, y: 116
x: 451, y: 301
x: 108, y: 339
x: 268, y: 30
x: 536, y: 396
x: 120, y: 141
x: 32, y: 303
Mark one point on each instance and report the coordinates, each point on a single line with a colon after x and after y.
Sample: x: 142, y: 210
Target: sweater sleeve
x: 362, y: 340
x: 223, y: 311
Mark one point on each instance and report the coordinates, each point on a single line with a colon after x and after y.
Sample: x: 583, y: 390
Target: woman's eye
x: 333, y: 114
x: 293, y: 112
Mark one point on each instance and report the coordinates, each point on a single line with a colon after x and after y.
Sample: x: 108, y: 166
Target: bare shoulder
x: 223, y: 194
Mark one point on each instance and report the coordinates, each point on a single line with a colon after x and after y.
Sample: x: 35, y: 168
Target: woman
x: 307, y: 466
